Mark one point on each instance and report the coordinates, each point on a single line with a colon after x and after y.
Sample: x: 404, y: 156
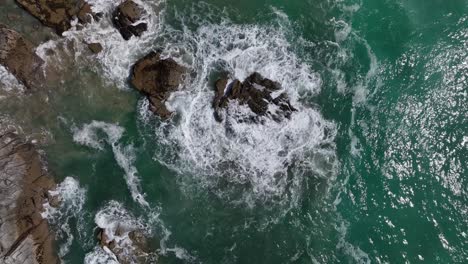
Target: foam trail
x: 124, y: 155
x: 71, y: 199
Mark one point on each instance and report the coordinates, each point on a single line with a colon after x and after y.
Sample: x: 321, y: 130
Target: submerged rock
x: 17, y: 55
x: 58, y: 14
x: 131, y: 246
x: 256, y: 92
x: 157, y: 78
x: 24, y: 184
x: 124, y: 18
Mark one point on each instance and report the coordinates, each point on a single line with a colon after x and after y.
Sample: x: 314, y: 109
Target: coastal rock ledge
x: 24, y: 184
x: 17, y: 55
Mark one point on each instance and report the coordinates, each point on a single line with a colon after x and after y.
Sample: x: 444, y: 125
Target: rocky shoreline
x: 25, y: 236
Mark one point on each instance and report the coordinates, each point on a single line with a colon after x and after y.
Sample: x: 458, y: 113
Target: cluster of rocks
x: 24, y: 188
x: 256, y: 92
x: 127, y: 19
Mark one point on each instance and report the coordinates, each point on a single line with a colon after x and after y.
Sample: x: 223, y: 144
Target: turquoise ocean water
x: 373, y: 168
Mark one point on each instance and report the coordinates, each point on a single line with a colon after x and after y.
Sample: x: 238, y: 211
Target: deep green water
x: 391, y: 188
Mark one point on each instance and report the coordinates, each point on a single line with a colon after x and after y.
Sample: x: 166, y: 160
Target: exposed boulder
x: 17, y: 55
x: 157, y: 78
x: 130, y: 247
x: 25, y: 236
x: 124, y: 18
x: 95, y: 47
x: 257, y: 93
x: 58, y: 14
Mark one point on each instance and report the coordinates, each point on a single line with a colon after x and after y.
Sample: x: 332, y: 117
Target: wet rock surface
x: 18, y: 56
x: 124, y: 18
x: 95, y: 47
x: 58, y: 14
x: 258, y: 93
x: 157, y: 78
x: 24, y: 184
x: 130, y: 247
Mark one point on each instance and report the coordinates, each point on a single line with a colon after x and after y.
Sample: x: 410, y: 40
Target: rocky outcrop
x: 257, y: 93
x: 157, y: 78
x: 125, y: 19
x: 130, y: 247
x: 58, y: 14
x: 24, y: 235
x: 17, y: 55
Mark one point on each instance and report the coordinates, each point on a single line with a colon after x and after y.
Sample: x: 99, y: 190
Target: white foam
x: 257, y: 156
x: 8, y: 82
x: 124, y: 155
x: 71, y: 198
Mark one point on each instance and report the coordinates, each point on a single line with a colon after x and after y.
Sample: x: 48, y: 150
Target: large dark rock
x: 24, y: 184
x: 256, y: 92
x: 157, y: 78
x: 125, y: 17
x: 58, y: 14
x: 17, y: 55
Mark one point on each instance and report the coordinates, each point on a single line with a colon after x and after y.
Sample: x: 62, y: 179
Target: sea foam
x: 268, y: 160
x: 71, y: 197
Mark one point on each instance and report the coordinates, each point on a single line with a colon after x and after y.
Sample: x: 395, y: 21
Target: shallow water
x: 372, y: 169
